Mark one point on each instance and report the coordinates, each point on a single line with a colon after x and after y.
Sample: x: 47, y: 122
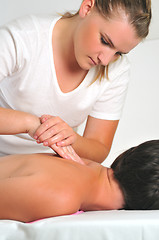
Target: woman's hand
x: 53, y: 130
x: 67, y: 153
x: 58, y: 135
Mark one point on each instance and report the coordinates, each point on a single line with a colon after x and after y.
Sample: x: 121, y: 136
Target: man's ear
x: 86, y: 7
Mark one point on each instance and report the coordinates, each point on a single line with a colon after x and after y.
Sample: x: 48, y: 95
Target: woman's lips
x: 94, y: 63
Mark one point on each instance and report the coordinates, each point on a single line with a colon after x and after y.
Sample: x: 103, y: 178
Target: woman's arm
x: 95, y: 144
x: 14, y: 122
x: 96, y: 141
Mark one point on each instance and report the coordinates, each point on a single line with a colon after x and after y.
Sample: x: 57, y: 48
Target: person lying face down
x: 137, y: 172
x: 39, y: 186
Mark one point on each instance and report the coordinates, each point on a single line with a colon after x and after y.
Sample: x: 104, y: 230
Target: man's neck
x: 105, y: 194
x: 95, y: 198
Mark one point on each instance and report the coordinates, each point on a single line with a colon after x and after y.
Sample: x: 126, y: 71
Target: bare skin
x: 14, y: 122
x: 39, y: 186
x: 91, y: 40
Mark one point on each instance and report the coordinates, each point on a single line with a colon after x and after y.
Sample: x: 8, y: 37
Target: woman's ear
x: 86, y: 7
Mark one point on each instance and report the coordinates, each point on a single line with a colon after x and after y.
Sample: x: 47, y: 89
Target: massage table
x: 95, y: 225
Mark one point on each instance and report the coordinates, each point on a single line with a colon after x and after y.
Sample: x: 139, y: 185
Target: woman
x: 73, y: 69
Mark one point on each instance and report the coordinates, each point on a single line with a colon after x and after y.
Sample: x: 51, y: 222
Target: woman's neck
x: 72, y: 74
x: 63, y: 35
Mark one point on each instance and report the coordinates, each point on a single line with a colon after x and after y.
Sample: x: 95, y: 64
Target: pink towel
x: 76, y: 213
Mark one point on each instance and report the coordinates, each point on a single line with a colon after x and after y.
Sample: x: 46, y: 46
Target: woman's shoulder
x: 118, y: 67
x: 27, y: 36
x: 31, y: 23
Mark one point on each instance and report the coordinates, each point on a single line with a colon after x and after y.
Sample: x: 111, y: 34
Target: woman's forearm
x: 90, y: 149
x: 14, y: 122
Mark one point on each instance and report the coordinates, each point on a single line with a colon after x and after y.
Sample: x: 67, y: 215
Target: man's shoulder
x: 55, y: 201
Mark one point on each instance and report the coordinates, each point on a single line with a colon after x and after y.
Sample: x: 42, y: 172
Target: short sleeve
x: 110, y: 103
x: 15, y: 45
x: 7, y: 53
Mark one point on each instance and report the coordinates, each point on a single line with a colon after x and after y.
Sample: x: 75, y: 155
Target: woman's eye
x: 118, y: 54
x: 103, y: 41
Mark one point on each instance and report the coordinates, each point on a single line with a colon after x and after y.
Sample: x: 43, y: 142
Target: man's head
x: 137, y: 171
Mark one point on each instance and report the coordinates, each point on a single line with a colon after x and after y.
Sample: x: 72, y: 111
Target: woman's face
x: 99, y: 41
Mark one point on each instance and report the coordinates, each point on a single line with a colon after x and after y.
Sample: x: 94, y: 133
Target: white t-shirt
x: 28, y: 82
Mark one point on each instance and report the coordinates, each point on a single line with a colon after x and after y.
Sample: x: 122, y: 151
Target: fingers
x: 60, y: 151
x: 54, y: 130
x: 45, y: 126
x: 54, y: 135
x: 45, y: 117
x: 60, y: 140
x: 59, y: 136
x: 73, y: 155
x: 67, y: 153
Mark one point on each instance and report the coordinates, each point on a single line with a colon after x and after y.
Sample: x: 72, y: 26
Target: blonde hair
x: 138, y: 13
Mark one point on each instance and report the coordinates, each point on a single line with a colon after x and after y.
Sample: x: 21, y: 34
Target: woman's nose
x: 107, y: 56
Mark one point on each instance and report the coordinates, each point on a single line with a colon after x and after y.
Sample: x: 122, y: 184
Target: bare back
x: 42, y: 185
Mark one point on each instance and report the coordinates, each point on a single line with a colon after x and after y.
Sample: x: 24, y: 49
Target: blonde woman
x: 71, y: 68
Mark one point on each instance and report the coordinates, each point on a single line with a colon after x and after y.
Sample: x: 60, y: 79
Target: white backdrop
x: 10, y: 9
x: 140, y: 118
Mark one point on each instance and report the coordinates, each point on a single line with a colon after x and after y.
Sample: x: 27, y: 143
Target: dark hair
x: 137, y: 171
